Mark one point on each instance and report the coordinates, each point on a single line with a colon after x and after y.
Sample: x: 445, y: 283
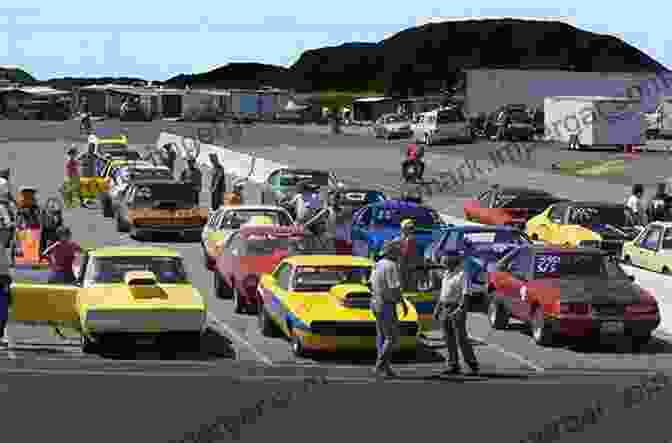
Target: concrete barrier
x: 238, y: 165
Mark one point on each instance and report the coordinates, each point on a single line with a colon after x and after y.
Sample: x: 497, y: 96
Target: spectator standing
x: 5, y: 284
x: 71, y: 184
x: 62, y: 256
x: 636, y: 204
x: 218, y: 183
x: 191, y: 174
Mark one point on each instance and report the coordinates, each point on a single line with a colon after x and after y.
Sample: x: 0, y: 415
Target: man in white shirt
x: 387, y: 293
x: 636, y: 204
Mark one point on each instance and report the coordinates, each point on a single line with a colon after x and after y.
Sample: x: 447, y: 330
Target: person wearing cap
x: 386, y: 295
x: 659, y: 205
x: 71, y: 183
x: 191, y: 174
x: 636, y: 205
x: 218, y: 183
x: 62, y: 255
x: 5, y: 282
x: 409, y: 254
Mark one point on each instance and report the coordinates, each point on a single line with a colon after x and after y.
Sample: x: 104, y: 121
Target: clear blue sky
x: 156, y: 40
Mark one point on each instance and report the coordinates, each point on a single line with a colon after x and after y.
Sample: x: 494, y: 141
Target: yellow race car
x: 124, y: 296
x: 321, y: 303
x: 584, y: 224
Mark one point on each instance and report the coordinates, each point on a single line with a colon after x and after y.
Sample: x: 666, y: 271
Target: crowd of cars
x: 511, y: 122
x: 534, y: 257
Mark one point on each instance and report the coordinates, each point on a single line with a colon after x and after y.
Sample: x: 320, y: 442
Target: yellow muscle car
x: 652, y: 249
x: 160, y: 206
x: 123, y: 296
x: 227, y: 219
x: 321, y: 303
x: 584, y: 224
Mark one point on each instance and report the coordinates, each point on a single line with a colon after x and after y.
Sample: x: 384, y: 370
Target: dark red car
x: 570, y: 293
x: 508, y: 206
x: 246, y: 254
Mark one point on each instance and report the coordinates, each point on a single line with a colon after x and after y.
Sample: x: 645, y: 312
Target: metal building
x: 487, y: 89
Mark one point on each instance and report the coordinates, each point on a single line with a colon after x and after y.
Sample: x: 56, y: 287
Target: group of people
x: 394, y: 274
x: 658, y: 208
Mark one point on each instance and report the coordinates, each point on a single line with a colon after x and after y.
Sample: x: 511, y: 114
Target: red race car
x: 246, y: 254
x: 508, y: 206
x: 570, y: 292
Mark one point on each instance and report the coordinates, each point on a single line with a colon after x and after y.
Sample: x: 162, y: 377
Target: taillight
x: 574, y: 308
x: 648, y: 308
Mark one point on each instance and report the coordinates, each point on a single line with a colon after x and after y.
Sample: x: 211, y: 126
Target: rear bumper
x: 331, y: 343
x: 145, y: 321
x: 586, y: 327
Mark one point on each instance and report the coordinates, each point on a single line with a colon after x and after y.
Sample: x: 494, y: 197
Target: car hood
x: 611, y: 232
x: 594, y: 290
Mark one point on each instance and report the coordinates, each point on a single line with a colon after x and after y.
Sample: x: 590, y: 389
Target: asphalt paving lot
x: 518, y: 376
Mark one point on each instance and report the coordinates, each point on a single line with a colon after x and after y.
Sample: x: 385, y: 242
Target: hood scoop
x: 143, y: 284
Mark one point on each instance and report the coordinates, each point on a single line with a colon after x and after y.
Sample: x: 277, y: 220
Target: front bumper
x: 143, y: 321
x: 576, y: 327
x: 351, y: 338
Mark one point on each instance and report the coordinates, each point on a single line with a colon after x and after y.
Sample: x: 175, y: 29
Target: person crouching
x: 61, y: 257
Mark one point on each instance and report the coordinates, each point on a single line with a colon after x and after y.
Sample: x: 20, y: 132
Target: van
x: 448, y: 123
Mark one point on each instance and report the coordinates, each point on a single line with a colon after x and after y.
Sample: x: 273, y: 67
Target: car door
x: 647, y: 247
x: 360, y: 232
x: 44, y: 303
x: 519, y: 271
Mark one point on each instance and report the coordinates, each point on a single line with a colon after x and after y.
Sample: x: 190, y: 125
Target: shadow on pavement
x: 619, y: 345
x: 422, y: 355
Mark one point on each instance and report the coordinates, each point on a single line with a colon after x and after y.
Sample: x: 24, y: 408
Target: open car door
x: 44, y: 303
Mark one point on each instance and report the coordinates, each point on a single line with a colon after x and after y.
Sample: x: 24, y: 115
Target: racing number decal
x: 547, y: 264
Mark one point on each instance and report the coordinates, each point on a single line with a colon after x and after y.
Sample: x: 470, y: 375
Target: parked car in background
x: 510, y: 122
x: 392, y: 125
x: 652, y: 249
x: 449, y: 123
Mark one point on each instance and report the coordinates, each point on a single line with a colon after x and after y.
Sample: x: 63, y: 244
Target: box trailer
x: 594, y: 121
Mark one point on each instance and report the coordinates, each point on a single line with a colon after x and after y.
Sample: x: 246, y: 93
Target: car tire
x: 640, y: 341
x: 297, y: 346
x: 121, y: 225
x: 498, y: 317
x: 222, y: 289
x: 534, y: 237
x: 89, y: 346
x: 627, y: 260
x: 665, y: 270
x: 266, y: 325
x: 106, y: 205
x: 541, y: 332
x: 238, y: 306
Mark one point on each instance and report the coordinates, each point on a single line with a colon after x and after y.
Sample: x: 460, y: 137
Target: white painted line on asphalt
x: 513, y: 355
x: 241, y: 341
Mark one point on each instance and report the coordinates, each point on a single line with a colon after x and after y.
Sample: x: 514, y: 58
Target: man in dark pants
x: 192, y: 174
x: 451, y: 311
x: 218, y: 184
x: 5, y: 285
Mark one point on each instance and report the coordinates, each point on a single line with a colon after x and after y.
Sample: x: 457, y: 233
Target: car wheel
x: 106, y: 204
x: 266, y: 325
x: 497, y: 315
x: 298, y: 348
x: 222, y: 289
x: 238, y: 305
x: 534, y: 237
x: 89, y: 346
x: 135, y: 234
x: 640, y: 341
x: 666, y: 270
x: 121, y: 226
x: 428, y: 140
x: 541, y: 332
x: 627, y: 260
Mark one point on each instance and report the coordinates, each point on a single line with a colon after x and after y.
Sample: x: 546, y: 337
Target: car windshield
x: 607, y: 215
x: 315, y: 177
x: 549, y: 265
x: 450, y: 116
x: 237, y: 218
x: 323, y: 278
x: 107, y: 148
x: 113, y: 269
x: 268, y: 245
x: 148, y: 194
x: 488, y: 239
x: 424, y: 217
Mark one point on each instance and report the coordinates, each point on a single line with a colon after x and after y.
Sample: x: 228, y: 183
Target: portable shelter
x: 594, y: 121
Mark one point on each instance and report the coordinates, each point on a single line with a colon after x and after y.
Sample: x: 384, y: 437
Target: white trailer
x: 594, y: 121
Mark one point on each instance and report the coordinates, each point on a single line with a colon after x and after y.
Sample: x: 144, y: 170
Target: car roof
x: 486, y: 228
x: 596, y: 204
x: 328, y: 260
x: 247, y: 230
x: 126, y: 251
x: 398, y: 203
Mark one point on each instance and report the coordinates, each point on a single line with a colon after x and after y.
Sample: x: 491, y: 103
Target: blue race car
x: 373, y: 224
x: 477, y: 247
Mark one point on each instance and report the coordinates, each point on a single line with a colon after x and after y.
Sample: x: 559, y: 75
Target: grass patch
x: 591, y: 168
